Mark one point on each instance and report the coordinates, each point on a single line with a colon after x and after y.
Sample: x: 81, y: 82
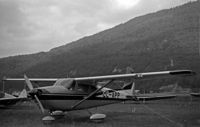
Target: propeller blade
x: 28, y: 82
x: 39, y: 103
x: 30, y: 86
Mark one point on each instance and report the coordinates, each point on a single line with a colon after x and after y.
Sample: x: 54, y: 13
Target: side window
x: 73, y: 86
x: 79, y: 88
x: 82, y: 88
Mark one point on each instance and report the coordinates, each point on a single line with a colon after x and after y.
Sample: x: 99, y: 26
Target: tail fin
x: 133, y: 89
x: 23, y: 94
x: 130, y: 88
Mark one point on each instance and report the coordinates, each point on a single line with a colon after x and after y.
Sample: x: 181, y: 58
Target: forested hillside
x: 164, y: 40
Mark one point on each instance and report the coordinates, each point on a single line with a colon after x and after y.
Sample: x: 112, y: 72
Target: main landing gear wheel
x: 97, y: 117
x: 57, y: 114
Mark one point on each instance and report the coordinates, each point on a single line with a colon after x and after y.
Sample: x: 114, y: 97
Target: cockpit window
x: 87, y: 88
x: 71, y: 85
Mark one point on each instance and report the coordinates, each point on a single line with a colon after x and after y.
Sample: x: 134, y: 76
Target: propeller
x: 30, y: 86
x: 28, y: 82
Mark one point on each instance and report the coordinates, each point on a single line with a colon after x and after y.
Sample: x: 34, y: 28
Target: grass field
x: 177, y: 112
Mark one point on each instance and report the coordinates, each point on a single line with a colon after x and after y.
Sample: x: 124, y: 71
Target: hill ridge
x: 147, y: 43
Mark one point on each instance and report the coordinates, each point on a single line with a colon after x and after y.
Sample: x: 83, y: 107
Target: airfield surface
x: 177, y: 112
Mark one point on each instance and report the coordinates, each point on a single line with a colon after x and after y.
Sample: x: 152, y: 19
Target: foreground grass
x: 178, y: 112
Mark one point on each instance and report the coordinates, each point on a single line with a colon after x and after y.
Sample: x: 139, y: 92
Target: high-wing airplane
x: 8, y: 99
x: 68, y: 94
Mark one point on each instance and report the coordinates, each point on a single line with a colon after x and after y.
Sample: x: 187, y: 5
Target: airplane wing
x: 114, y: 77
x: 31, y: 79
x: 138, y: 75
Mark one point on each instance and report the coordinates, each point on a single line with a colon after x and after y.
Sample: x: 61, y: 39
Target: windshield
x: 66, y: 82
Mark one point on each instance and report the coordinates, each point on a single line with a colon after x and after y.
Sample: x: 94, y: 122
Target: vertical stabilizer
x: 133, y: 89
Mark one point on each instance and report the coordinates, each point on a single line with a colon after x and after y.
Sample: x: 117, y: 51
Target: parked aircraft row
x: 69, y: 94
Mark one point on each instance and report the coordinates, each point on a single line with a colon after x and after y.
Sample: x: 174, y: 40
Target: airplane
x: 9, y: 100
x: 69, y: 94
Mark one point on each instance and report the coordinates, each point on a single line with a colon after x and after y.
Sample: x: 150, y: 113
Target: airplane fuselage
x: 57, y: 98
x: 66, y: 102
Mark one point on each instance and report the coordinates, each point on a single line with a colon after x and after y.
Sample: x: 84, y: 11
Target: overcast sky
x: 29, y: 26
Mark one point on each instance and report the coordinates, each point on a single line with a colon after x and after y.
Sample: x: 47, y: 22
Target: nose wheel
x: 48, y: 119
x: 53, y: 116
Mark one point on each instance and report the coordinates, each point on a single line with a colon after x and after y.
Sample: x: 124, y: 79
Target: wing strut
x: 91, y: 94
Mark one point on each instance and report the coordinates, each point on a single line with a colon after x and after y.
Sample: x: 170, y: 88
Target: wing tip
x: 182, y: 72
